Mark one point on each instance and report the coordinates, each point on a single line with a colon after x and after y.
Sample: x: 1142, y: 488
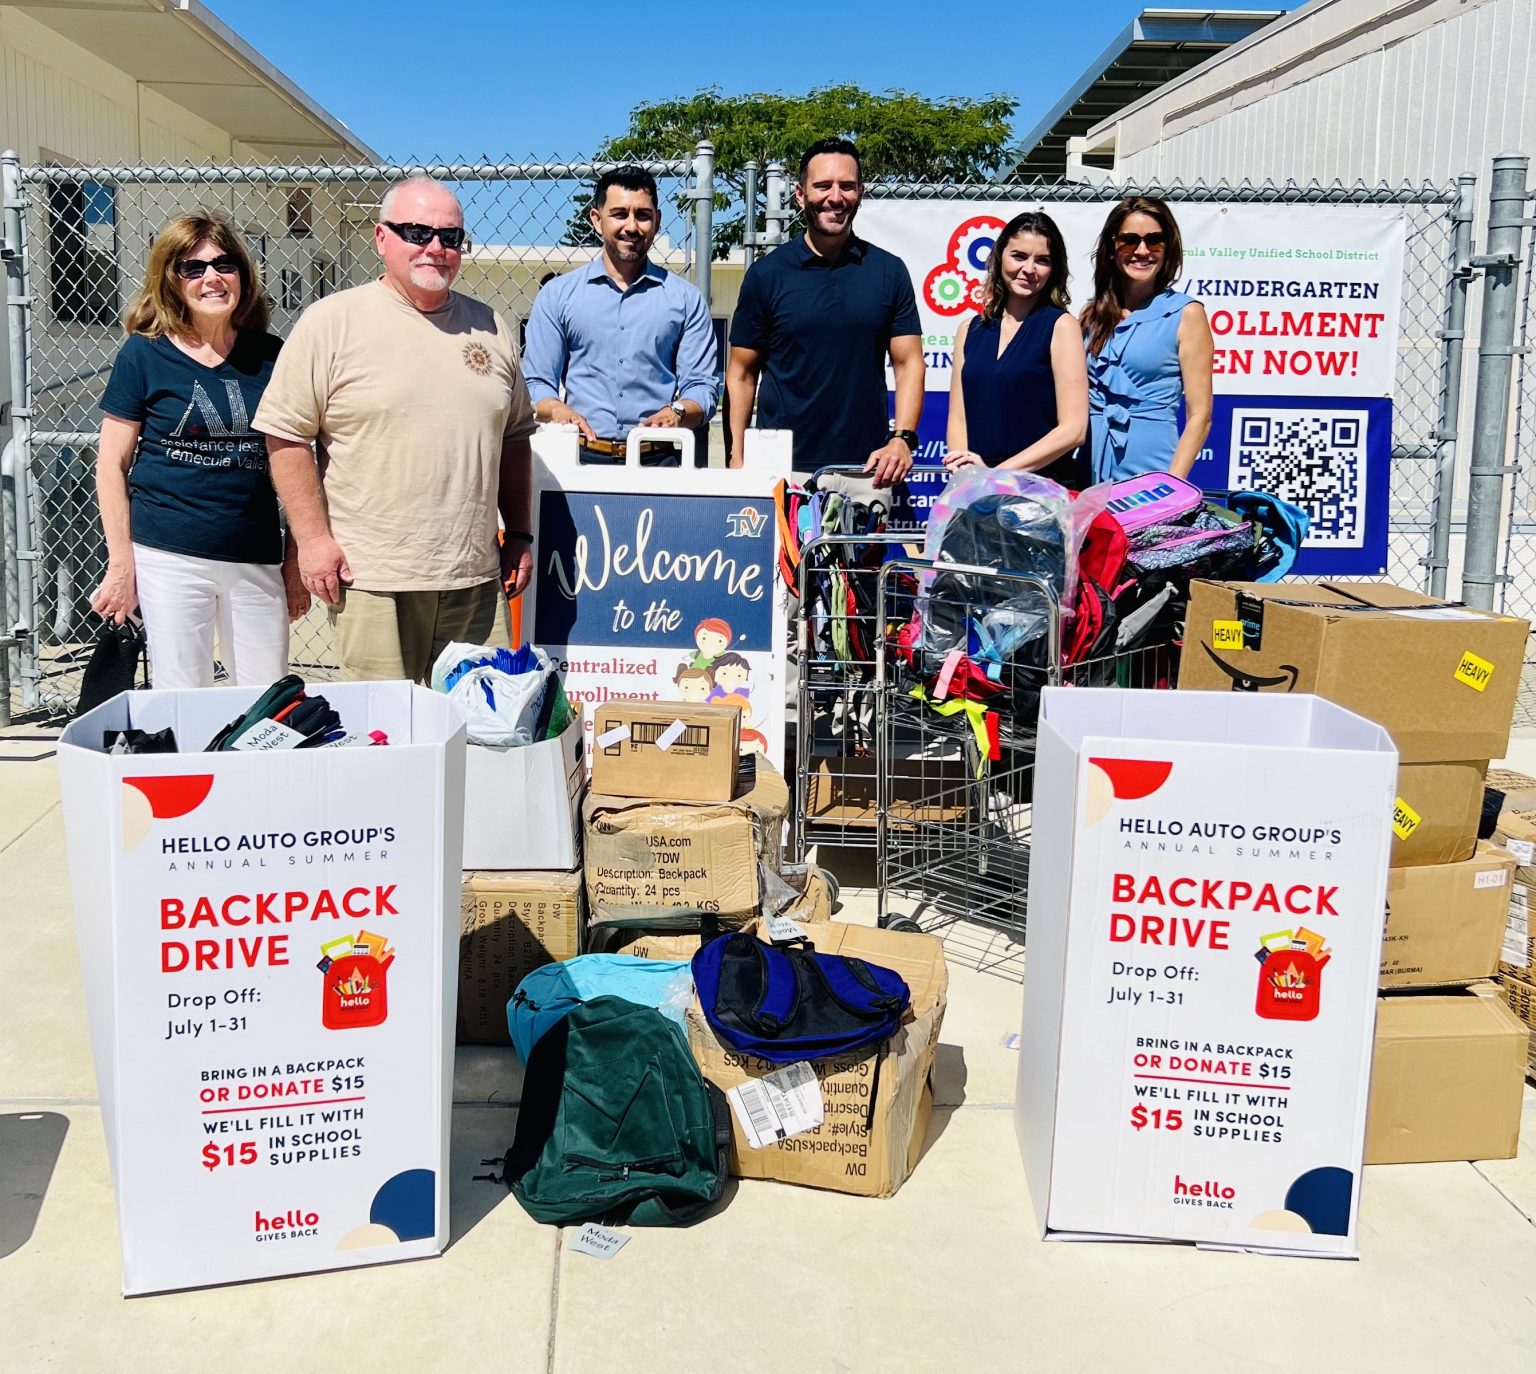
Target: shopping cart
x: 836, y: 632
x: 956, y: 775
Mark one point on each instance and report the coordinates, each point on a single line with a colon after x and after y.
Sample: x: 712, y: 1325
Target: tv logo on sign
x: 746, y: 523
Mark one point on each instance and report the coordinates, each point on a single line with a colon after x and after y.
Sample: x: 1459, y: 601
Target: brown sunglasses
x: 1131, y: 242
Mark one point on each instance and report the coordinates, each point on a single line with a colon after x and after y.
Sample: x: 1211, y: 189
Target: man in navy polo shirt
x: 813, y: 325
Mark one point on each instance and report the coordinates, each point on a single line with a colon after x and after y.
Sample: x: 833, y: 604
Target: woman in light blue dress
x: 1149, y: 347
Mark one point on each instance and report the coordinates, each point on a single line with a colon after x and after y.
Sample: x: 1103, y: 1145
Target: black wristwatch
x: 907, y: 436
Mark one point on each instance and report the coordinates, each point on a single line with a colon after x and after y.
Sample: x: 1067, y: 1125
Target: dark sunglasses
x: 420, y: 235
x: 191, y: 269
x: 1131, y: 242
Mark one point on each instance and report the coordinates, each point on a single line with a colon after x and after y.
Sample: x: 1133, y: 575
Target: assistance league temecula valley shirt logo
x: 210, y: 440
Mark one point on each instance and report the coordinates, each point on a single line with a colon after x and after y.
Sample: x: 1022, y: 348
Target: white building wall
x: 1329, y: 95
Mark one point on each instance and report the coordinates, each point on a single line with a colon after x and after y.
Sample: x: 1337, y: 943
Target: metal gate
x: 75, y: 242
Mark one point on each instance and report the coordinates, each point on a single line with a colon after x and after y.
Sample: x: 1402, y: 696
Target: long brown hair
x: 159, y: 307
x: 1107, y: 308
x: 1042, y: 225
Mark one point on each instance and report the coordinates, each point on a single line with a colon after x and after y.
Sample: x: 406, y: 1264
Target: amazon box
x: 665, y: 750
x: 511, y: 924
x: 1441, y: 678
x: 1436, y: 813
x: 1447, y: 1077
x: 1445, y: 922
x: 875, y: 1108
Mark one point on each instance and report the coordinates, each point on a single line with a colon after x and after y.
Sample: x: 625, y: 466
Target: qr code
x: 1314, y: 459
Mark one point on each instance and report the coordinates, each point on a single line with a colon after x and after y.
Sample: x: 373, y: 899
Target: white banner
x: 1304, y: 304
x: 1303, y: 299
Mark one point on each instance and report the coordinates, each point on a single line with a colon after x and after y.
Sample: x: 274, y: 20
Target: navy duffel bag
x: 793, y: 1003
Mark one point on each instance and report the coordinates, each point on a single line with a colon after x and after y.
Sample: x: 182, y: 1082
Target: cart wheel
x: 834, y: 888
x: 905, y: 925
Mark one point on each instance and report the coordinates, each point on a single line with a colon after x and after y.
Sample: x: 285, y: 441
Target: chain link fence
x: 85, y: 234
x: 1517, y: 589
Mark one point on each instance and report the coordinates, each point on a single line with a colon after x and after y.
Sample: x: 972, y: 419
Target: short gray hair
x: 387, y: 205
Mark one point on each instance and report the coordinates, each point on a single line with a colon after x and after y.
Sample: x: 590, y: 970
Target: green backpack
x: 617, y: 1124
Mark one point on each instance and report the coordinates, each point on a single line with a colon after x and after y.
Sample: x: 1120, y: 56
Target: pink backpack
x: 1154, y: 498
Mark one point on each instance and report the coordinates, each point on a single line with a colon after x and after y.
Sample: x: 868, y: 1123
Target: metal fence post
x: 749, y: 219
x: 1495, y: 353
x: 704, y: 216
x: 774, y: 216
x: 1452, y: 337
x: 15, y: 570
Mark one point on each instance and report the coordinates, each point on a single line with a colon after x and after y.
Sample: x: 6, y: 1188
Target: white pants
x: 182, y: 599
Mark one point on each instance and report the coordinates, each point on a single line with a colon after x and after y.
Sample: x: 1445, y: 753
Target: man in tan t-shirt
x: 414, y: 400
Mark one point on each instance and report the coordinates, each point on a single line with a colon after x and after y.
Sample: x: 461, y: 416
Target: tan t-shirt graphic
x: 408, y: 412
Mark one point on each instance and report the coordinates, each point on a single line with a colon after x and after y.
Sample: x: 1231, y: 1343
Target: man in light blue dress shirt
x: 630, y: 344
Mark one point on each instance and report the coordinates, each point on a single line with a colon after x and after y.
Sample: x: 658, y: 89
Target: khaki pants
x: 391, y: 635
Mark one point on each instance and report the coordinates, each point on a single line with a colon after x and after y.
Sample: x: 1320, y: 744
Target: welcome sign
x: 662, y: 584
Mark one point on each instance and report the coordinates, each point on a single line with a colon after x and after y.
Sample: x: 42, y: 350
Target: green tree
x: 901, y: 136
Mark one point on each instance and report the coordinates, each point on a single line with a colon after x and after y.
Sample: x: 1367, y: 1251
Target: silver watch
x: 677, y: 410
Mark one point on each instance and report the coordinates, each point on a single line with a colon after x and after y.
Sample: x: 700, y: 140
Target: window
x: 292, y: 297
x: 300, y: 212
x: 82, y: 252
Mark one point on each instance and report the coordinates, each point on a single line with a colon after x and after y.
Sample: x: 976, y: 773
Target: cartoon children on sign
x: 720, y: 678
x: 693, y: 684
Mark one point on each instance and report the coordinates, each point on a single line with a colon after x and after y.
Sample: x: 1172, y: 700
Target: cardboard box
x: 1517, y: 951
x: 1206, y: 886
x: 1447, y: 1078
x: 1517, y: 789
x: 522, y: 805
x: 1445, y: 922
x: 812, y: 907
x: 876, y: 1107
x: 1441, y: 678
x: 1436, y: 815
x: 661, y: 865
x: 260, y: 932
x: 1516, y: 832
x: 665, y: 750
x: 1520, y: 994
x: 511, y: 924
x: 842, y: 791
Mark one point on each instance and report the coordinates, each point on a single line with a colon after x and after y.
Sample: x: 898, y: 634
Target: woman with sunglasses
x: 1018, y: 391
x: 1149, y: 347
x: 187, y: 507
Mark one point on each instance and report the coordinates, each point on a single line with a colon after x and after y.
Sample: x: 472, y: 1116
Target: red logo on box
x: 1290, y: 986
x: 356, y: 993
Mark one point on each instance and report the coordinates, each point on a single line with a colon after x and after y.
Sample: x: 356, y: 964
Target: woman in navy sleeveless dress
x: 1018, y: 393
x: 1149, y: 348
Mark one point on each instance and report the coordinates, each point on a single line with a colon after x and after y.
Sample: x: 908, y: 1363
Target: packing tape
x: 617, y: 735
x: 670, y: 736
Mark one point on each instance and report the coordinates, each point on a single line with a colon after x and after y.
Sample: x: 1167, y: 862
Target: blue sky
x: 518, y: 79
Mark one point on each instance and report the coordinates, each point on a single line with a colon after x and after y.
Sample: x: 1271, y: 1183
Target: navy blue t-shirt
x: 199, y: 484
x: 826, y: 327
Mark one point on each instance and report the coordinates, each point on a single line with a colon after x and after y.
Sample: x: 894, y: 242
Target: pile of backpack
x: 1111, y: 566
x: 618, y: 1123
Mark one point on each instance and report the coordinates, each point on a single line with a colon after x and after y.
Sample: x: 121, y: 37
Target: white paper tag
x: 1517, y: 934
x: 1523, y: 850
x: 597, y: 1241
x: 782, y: 931
x: 1518, y: 901
x: 1440, y: 613
x: 1493, y: 877
x: 267, y: 734
x: 778, y: 1105
x: 670, y: 736
x: 617, y: 735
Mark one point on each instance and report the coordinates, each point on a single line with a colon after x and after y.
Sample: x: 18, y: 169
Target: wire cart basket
x: 956, y: 760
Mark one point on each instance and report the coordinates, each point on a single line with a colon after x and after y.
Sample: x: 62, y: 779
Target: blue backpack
x: 552, y: 992
x: 793, y: 1003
